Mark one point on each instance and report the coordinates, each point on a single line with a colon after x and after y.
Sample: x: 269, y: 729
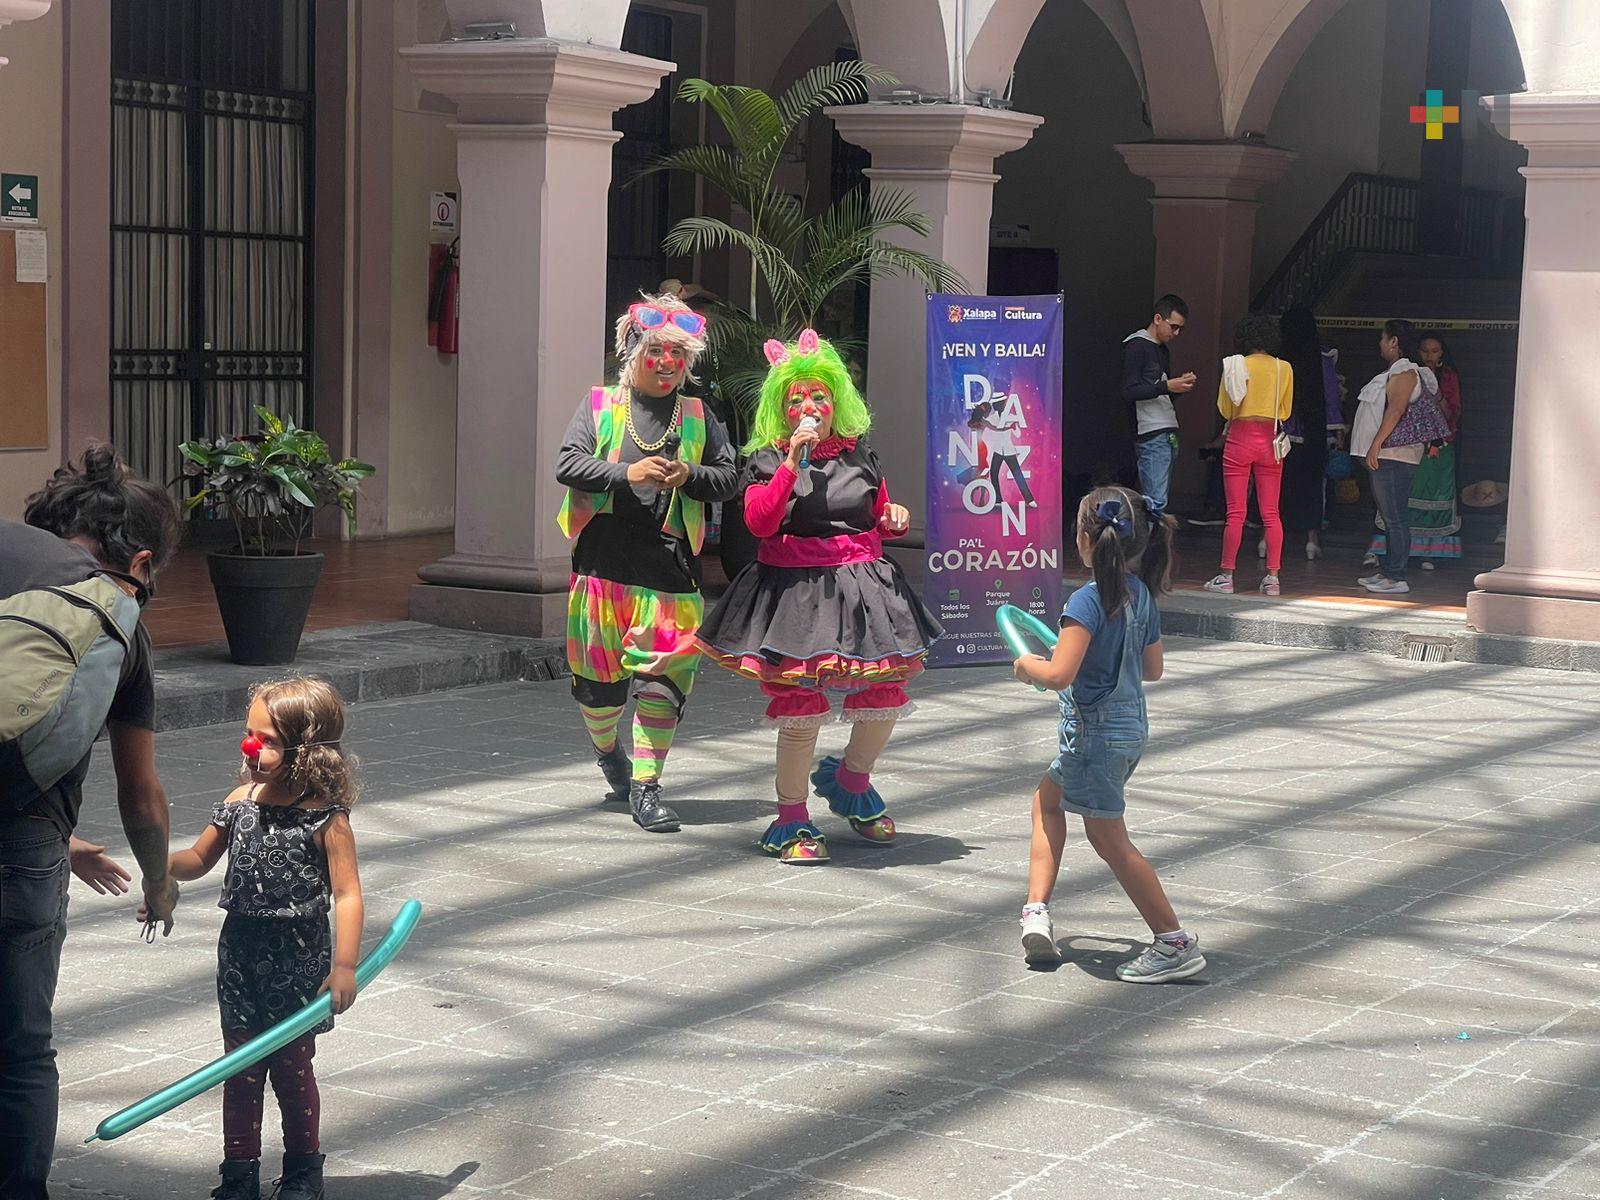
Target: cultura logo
x: 1019, y: 312
x: 1433, y: 114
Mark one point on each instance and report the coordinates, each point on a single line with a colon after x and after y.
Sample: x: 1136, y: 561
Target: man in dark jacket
x: 1146, y: 364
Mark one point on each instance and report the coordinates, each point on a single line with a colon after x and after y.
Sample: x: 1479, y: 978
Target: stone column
x: 534, y: 140
x: 942, y: 155
x: 1205, y: 223
x: 1550, y: 583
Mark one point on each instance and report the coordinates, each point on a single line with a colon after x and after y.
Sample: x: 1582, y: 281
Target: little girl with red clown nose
x: 286, y: 831
x: 822, y: 609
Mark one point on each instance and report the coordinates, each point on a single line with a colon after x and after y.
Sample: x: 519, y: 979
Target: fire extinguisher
x: 444, y: 297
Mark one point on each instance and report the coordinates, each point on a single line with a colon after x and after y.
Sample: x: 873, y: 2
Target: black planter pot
x: 264, y: 602
x: 738, y: 548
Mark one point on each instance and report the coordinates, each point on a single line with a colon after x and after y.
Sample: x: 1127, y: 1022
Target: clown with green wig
x: 822, y: 610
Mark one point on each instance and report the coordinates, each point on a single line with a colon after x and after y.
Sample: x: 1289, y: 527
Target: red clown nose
x: 252, y: 746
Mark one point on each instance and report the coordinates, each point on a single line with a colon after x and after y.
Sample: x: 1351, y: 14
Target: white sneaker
x: 1427, y: 566
x: 1313, y: 551
x: 1370, y: 560
x: 1221, y: 583
x: 1369, y: 580
x: 1387, y: 587
x: 1162, y: 963
x: 1039, y: 938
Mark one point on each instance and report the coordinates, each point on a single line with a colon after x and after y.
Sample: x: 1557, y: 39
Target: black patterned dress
x: 276, y: 948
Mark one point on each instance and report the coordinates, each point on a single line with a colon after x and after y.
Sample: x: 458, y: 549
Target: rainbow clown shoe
x: 853, y: 797
x: 797, y: 843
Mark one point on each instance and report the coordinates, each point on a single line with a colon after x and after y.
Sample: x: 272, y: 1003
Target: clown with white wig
x: 640, y: 461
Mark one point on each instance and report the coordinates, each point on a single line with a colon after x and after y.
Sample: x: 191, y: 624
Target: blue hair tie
x: 1115, y: 514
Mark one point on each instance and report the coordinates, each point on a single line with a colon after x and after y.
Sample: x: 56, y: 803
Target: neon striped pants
x: 622, y: 639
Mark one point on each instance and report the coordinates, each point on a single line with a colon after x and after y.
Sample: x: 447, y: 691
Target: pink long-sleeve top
x: 826, y: 516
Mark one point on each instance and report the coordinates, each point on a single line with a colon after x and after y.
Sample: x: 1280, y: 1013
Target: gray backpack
x: 63, y: 650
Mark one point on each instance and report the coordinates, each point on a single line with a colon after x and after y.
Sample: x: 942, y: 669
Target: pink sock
x: 854, y: 782
x: 789, y: 814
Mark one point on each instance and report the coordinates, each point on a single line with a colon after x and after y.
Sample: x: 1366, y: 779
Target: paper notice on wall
x: 32, y: 256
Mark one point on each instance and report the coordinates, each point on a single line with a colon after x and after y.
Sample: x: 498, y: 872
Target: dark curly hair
x: 1256, y: 331
x: 99, y: 498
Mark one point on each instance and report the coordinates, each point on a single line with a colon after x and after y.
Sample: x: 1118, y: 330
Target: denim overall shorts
x: 1101, y: 744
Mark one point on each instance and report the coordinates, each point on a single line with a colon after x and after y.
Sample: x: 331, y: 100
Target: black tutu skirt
x: 846, y: 627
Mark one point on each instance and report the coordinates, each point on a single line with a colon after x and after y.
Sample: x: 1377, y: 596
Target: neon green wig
x: 808, y: 357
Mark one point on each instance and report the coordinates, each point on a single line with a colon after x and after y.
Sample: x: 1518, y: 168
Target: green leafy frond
x: 715, y: 164
x: 829, y: 84
x: 748, y: 114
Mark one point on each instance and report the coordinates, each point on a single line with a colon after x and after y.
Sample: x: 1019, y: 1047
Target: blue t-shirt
x: 1102, y: 663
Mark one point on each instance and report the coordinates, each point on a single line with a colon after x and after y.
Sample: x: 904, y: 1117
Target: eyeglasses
x: 648, y: 316
x: 1173, y: 325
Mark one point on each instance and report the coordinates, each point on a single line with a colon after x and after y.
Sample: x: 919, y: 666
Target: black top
x: 275, y: 866
x: 627, y: 545
x: 33, y: 558
x: 834, y: 496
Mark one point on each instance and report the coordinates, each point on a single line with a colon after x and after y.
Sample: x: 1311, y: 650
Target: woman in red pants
x: 1256, y: 397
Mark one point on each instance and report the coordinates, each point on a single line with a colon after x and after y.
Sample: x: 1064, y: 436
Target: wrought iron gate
x: 211, y: 178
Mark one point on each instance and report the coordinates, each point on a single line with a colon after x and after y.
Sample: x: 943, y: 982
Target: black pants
x: 33, y: 925
x: 1015, y: 463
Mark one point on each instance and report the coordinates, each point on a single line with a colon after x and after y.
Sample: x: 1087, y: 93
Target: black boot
x: 644, y: 799
x: 241, y: 1180
x: 302, y: 1178
x: 618, y: 770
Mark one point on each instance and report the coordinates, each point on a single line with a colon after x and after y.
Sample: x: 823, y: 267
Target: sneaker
x: 1313, y: 551
x: 1222, y: 583
x: 1427, y: 566
x: 1387, y: 587
x: 1370, y: 560
x: 1270, y: 586
x: 1365, y: 580
x: 1039, y: 938
x: 1162, y: 963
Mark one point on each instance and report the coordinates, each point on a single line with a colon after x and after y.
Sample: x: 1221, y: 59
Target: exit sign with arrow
x: 19, y: 197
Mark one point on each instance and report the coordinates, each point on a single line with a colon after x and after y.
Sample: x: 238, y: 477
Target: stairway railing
x: 1375, y: 213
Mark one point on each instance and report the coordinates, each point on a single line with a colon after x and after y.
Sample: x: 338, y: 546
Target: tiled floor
x: 361, y: 582
x: 1390, y: 865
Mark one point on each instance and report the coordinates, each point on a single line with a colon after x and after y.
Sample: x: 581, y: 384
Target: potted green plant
x: 800, y: 256
x: 270, y: 485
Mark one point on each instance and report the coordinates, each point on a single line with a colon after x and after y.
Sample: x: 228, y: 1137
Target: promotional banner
x: 994, y: 468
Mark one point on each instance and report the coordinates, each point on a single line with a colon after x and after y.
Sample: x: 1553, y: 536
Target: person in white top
x: 1000, y: 440
x: 1383, y: 406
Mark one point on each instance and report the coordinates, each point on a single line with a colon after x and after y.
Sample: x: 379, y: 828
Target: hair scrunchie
x: 1114, y: 513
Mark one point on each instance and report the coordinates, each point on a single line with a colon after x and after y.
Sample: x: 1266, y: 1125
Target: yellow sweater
x: 1258, y: 398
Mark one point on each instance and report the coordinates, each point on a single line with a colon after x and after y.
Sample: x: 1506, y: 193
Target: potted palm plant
x: 800, y: 256
x: 270, y: 485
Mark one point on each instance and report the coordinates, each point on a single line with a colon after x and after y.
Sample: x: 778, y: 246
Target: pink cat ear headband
x: 777, y: 352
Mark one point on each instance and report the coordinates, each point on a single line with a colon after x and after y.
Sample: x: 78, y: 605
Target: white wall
x: 422, y: 382
x: 30, y: 142
x: 1078, y: 196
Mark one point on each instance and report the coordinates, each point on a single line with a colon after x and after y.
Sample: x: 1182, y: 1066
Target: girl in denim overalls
x: 1110, y: 644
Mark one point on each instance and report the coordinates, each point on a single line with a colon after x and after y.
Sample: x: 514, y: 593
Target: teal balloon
x: 260, y: 1046
x: 1017, y: 626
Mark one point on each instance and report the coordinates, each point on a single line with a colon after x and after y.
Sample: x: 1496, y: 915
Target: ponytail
x: 1125, y: 529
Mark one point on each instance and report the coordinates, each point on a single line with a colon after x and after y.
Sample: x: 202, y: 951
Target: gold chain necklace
x: 652, y: 447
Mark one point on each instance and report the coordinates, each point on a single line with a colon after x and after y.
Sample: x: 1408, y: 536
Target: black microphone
x: 669, y: 450
x: 805, y: 451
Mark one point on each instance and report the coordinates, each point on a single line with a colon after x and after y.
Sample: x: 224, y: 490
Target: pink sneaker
x: 1269, y: 586
x: 1222, y: 583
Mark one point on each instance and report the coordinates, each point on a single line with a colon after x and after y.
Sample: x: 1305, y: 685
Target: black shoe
x: 302, y: 1178
x: 241, y: 1180
x: 644, y: 799
x: 618, y: 770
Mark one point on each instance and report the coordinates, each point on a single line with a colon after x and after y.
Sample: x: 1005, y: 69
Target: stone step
x: 379, y: 661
